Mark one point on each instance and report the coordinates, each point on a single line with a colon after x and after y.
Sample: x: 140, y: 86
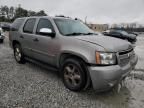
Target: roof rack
x: 62, y: 16
x: 67, y: 17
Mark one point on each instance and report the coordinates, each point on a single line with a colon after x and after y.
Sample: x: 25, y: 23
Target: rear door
x: 27, y: 36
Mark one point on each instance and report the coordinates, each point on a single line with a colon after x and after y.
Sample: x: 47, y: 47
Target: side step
x: 42, y: 64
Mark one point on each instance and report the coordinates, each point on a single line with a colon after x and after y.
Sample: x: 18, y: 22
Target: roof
x: 55, y: 17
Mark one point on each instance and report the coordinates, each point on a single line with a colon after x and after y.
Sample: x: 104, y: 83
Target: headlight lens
x: 105, y: 58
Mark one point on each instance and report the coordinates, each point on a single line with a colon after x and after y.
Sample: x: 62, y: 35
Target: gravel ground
x: 33, y: 86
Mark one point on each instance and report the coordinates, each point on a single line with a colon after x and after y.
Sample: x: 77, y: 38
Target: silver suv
x: 82, y: 57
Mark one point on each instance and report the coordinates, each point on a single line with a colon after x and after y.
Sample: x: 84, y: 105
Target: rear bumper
x: 104, y: 78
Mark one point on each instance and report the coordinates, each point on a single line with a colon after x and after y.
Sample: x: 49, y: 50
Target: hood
x: 132, y: 36
x: 110, y: 44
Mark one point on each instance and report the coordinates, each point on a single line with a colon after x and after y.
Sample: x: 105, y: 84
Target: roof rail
x: 62, y: 16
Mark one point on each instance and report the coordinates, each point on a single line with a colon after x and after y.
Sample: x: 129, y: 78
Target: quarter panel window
x: 17, y: 24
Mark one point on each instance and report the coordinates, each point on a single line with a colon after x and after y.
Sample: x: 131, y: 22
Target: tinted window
x: 16, y: 24
x: 44, y: 23
x: 115, y: 33
x: 29, y: 25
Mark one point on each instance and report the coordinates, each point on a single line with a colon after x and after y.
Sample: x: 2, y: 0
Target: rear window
x: 29, y: 25
x: 16, y: 24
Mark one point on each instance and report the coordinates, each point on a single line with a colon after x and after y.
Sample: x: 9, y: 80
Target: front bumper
x: 105, y: 77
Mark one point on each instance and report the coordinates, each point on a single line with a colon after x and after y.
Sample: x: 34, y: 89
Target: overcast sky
x: 97, y: 11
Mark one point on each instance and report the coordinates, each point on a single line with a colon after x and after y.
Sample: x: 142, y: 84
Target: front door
x: 45, y: 46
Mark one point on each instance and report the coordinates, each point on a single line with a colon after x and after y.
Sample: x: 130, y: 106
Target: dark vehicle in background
x: 5, y: 26
x: 121, y: 34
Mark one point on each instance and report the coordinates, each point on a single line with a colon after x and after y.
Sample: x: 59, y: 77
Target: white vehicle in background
x: 1, y: 35
x: 98, y: 33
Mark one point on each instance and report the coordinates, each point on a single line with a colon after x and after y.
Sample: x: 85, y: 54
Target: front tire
x: 74, y: 74
x: 18, y: 54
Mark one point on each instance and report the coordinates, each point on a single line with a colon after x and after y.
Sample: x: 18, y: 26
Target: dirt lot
x: 33, y: 86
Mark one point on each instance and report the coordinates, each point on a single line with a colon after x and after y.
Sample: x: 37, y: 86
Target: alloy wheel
x: 72, y: 75
x: 17, y: 54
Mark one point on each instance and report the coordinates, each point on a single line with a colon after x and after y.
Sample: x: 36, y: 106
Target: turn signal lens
x: 98, y: 61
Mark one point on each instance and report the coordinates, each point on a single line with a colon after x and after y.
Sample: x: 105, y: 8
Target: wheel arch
x: 66, y: 55
x: 14, y: 42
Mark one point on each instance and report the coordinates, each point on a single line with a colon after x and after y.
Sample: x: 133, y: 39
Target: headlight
x: 105, y: 58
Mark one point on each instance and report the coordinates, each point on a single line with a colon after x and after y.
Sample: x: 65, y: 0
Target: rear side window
x: 29, y: 25
x: 16, y: 24
x: 44, y: 23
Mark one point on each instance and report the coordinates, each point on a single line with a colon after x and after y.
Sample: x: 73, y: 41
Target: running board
x: 42, y: 64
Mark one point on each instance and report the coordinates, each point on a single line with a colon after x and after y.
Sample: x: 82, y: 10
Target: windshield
x: 70, y: 27
x: 124, y: 32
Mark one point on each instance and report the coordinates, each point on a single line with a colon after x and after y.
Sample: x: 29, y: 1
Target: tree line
x: 130, y: 29
x: 9, y: 14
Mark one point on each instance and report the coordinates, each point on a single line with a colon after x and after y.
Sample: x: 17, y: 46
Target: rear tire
x: 18, y: 54
x: 74, y: 74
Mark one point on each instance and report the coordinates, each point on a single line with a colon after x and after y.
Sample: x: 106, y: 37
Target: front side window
x: 29, y: 25
x: 115, y: 33
x: 68, y: 27
x: 44, y: 23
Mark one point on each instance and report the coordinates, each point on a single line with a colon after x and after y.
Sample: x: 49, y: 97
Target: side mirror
x: 47, y: 31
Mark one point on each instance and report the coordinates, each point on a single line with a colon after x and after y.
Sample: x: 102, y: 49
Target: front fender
x: 85, y: 56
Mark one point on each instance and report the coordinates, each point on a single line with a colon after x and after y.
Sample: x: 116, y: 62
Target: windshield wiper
x: 73, y: 34
x: 90, y: 33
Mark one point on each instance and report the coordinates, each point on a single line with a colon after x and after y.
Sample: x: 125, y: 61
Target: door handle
x: 36, y: 40
x: 21, y: 36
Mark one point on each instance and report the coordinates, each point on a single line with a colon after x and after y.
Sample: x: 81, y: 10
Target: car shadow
x: 112, y: 98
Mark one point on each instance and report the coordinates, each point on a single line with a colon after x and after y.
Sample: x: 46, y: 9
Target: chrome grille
x: 124, y: 62
x: 125, y: 57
